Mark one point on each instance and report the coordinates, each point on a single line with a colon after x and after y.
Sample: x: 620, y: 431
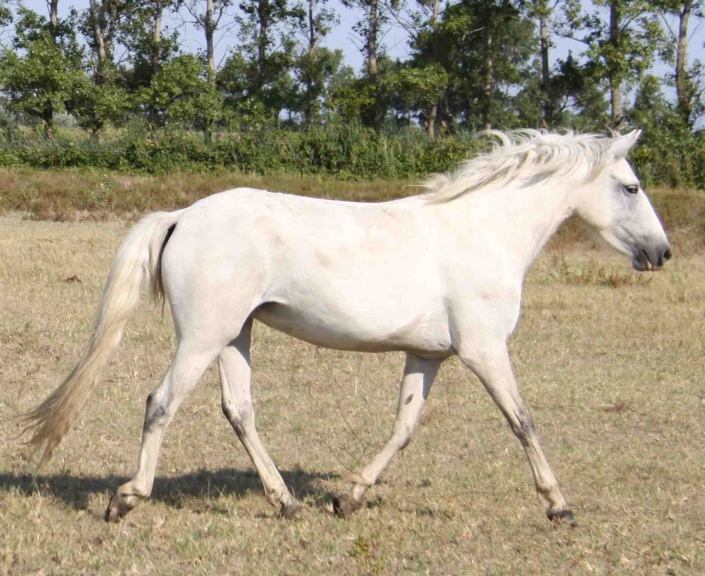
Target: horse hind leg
x: 234, y: 365
x: 187, y: 367
x: 419, y: 374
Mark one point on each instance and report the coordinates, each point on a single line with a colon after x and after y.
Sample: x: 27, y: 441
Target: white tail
x: 139, y: 255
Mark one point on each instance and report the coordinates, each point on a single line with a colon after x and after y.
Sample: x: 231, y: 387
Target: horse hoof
x: 291, y: 510
x: 344, y: 505
x: 116, y: 509
x: 564, y: 516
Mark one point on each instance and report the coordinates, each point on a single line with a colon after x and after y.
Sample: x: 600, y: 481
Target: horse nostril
x: 667, y: 255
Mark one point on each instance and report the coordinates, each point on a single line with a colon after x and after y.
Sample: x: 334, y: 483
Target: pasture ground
x: 612, y: 364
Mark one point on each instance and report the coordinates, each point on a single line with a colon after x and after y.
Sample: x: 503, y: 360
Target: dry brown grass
x: 614, y: 378
x: 67, y: 195
x: 74, y: 195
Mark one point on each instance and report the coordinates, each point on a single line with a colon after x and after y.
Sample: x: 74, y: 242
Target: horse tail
x: 139, y: 255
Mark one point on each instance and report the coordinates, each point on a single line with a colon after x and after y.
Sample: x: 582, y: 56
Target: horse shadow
x: 176, y: 491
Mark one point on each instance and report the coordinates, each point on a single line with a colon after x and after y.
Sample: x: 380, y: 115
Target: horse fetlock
x: 561, y: 516
x: 291, y: 509
x: 120, y: 505
x: 550, y: 494
x: 344, y: 504
x: 358, y: 478
x: 278, y: 496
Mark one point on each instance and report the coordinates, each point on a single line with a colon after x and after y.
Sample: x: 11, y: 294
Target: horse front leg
x: 419, y: 374
x: 493, y: 367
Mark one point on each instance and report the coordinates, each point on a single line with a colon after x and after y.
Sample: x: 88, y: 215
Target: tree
x: 181, y: 93
x: 256, y: 76
x: 620, y: 48
x: 485, y: 48
x: 688, y: 92
x: 314, y: 65
x: 418, y: 90
x: 369, y: 29
x: 148, y: 42
x: 43, y: 68
x: 105, y: 101
x: 208, y: 21
x: 541, y: 10
x: 420, y: 23
x: 149, y: 45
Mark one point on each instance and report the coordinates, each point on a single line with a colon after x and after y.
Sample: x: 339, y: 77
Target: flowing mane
x: 519, y: 154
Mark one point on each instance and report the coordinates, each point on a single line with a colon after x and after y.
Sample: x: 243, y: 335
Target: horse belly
x: 425, y: 333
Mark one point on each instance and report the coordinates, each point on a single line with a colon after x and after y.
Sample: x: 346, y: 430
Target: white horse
x: 433, y: 275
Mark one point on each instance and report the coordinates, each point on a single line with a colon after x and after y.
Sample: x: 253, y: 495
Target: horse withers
x: 434, y: 275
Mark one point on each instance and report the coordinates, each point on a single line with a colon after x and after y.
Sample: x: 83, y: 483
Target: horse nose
x: 665, y: 257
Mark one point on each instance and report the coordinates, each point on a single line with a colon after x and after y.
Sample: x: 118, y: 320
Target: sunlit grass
x: 611, y: 366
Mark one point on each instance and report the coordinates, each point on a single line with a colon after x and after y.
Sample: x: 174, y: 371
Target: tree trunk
x: 489, y: 82
x: 682, y: 81
x: 433, y: 113
x: 102, y: 54
x: 615, y: 80
x: 262, y: 40
x: 308, y: 82
x: 209, y: 28
x: 616, y: 104
x: 48, y: 120
x: 311, y: 29
x: 156, y: 53
x: 545, y: 67
x: 53, y: 12
x: 431, y: 124
x: 372, y: 32
x: 99, y: 38
x: 156, y: 35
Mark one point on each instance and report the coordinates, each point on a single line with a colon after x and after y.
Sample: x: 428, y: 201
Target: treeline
x: 474, y: 64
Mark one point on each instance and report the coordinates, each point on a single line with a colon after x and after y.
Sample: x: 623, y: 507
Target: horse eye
x: 631, y: 189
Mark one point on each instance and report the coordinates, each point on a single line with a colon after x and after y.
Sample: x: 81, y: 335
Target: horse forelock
x: 527, y: 154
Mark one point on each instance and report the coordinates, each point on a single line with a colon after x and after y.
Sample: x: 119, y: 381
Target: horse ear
x: 622, y: 144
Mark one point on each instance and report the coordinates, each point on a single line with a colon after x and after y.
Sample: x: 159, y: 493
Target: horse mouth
x: 641, y: 262
x: 645, y: 263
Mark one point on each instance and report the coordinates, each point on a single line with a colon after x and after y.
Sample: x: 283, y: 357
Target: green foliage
x: 181, y: 94
x: 256, y: 76
x: 620, y: 47
x: 345, y: 152
x: 484, y: 47
x: 474, y: 64
x: 668, y: 151
x: 94, y: 105
x: 418, y: 88
x: 43, y: 70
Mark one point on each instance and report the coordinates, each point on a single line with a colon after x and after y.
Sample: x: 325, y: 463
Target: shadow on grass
x: 174, y: 491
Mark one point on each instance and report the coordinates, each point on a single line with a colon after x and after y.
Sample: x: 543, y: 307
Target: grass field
x: 610, y: 362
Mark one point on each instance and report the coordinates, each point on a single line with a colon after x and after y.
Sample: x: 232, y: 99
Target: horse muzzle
x: 652, y: 258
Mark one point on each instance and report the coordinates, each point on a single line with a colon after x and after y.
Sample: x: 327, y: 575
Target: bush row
x: 345, y: 152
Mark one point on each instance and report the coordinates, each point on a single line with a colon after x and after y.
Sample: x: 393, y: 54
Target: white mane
x: 520, y: 154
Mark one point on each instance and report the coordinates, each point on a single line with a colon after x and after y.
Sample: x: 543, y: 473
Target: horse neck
x: 523, y: 218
